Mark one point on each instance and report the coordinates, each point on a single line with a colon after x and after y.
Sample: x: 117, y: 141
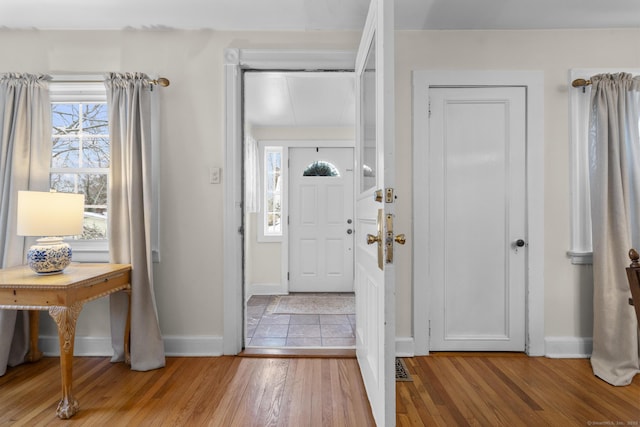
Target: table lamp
x: 49, y: 215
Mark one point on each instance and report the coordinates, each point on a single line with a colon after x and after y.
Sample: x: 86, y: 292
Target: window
x: 80, y: 159
x: 272, y: 203
x: 581, y: 248
x: 321, y: 168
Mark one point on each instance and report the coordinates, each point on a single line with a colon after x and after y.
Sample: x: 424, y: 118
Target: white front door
x: 375, y: 274
x: 477, y: 194
x: 321, y: 219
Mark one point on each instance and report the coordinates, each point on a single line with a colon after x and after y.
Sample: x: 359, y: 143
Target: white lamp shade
x: 50, y: 214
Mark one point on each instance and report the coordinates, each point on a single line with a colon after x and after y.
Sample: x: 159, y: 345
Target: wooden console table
x: 63, y: 295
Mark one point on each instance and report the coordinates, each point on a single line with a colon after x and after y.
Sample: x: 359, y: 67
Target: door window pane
x: 321, y: 168
x: 368, y: 131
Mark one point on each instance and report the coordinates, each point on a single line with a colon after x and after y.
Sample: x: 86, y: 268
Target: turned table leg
x: 34, y: 322
x: 65, y: 318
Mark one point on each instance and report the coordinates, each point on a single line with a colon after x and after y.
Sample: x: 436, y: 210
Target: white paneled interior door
x: 321, y: 219
x: 477, y: 194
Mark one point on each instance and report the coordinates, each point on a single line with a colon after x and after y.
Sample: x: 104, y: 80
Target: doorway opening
x: 298, y: 135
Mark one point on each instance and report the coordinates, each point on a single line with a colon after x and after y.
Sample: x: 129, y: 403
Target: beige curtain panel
x: 25, y: 154
x: 614, y: 158
x: 129, y: 98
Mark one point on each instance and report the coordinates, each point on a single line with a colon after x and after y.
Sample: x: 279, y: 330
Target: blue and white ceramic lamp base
x: 50, y: 255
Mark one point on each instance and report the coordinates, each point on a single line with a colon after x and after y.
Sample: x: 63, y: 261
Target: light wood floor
x: 511, y: 390
x: 218, y: 391
x: 447, y: 390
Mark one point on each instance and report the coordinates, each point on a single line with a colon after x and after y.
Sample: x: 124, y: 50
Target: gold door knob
x: 371, y: 239
x: 400, y: 239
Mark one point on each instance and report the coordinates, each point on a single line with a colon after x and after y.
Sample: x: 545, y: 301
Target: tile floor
x: 266, y: 329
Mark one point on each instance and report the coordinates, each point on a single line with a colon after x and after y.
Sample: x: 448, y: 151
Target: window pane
x: 64, y: 182
x: 94, y: 226
x: 321, y: 168
x: 65, y: 119
x: 65, y: 153
x: 95, y: 152
x: 368, y: 143
x: 95, y: 119
x: 94, y: 188
x: 273, y: 223
x: 273, y: 189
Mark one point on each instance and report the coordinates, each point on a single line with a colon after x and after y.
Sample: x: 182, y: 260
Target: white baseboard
x: 265, y: 289
x: 212, y: 346
x: 568, y: 347
x: 84, y: 346
x: 405, y: 347
x: 194, y: 346
x: 183, y: 346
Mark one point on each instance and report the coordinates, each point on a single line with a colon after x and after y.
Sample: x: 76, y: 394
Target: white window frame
x: 581, y: 249
x: 82, y: 89
x: 263, y: 236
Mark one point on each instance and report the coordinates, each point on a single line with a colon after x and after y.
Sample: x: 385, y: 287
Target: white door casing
x: 235, y: 60
x: 375, y: 287
x: 321, y: 221
x: 477, y: 198
x: 424, y: 82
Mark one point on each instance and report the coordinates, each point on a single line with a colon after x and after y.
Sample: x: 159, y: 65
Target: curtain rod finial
x: 162, y: 81
x: 580, y: 83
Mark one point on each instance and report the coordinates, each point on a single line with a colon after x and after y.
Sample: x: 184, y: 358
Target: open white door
x: 375, y: 273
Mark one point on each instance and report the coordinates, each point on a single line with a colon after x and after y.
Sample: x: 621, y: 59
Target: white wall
x: 568, y: 288
x: 263, y: 260
x: 188, y: 282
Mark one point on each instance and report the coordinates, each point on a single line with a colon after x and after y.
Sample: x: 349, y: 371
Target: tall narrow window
x: 80, y: 159
x: 272, y: 191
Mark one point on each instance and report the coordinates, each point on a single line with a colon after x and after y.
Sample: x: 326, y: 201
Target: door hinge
x: 241, y: 230
x: 288, y: 275
x: 429, y: 108
x: 429, y: 328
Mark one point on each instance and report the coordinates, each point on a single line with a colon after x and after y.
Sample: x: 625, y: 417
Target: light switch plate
x: 214, y: 175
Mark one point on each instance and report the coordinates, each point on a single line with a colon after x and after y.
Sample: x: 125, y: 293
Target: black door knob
x: 519, y: 243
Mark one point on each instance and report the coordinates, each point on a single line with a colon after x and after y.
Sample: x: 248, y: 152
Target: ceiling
x: 316, y: 14
x: 299, y: 99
